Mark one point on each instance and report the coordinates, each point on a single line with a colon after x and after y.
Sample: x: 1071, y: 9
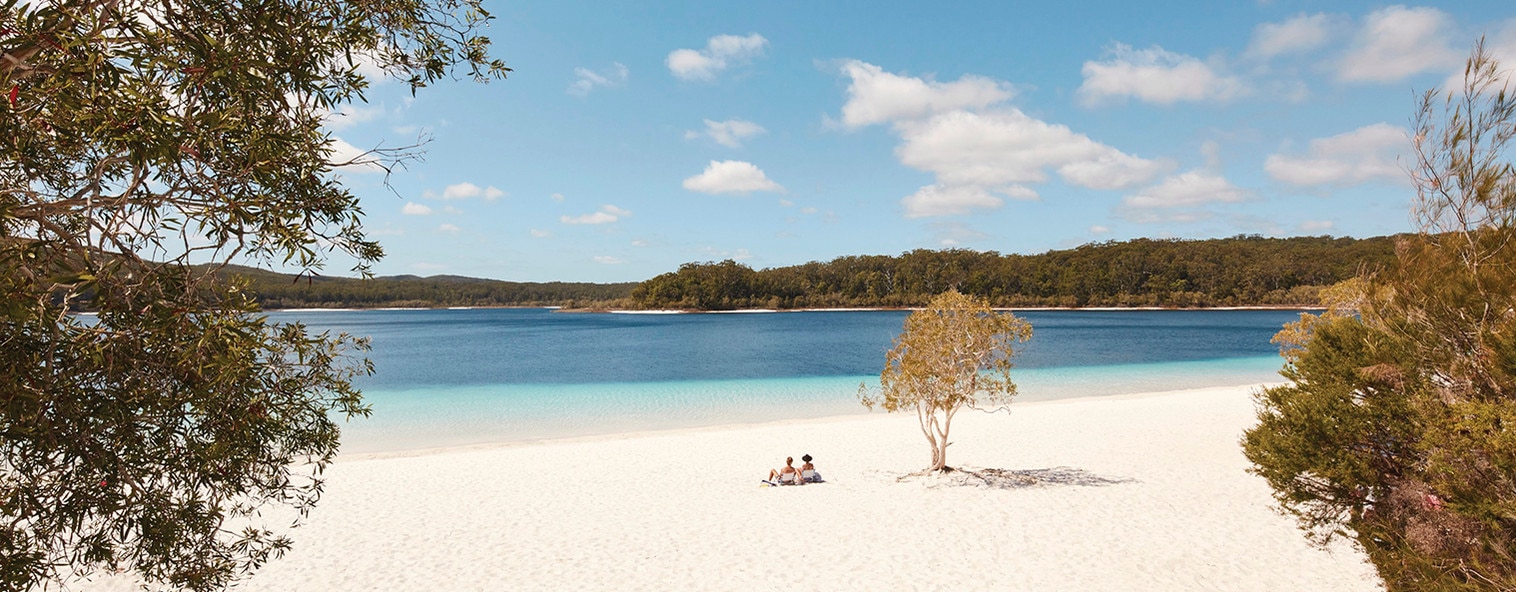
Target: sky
x: 629, y: 140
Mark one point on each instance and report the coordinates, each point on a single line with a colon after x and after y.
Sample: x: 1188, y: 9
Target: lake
x: 457, y: 377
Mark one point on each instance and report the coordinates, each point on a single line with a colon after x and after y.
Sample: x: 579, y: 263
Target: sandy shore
x: 1139, y: 492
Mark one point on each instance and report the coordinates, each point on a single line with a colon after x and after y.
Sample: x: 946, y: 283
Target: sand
x: 1137, y: 492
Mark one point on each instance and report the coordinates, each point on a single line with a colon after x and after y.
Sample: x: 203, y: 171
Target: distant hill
x: 1239, y: 271
x: 280, y: 290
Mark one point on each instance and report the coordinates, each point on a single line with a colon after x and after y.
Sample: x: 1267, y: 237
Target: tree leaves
x: 953, y: 354
x: 140, y: 137
x: 1397, y: 425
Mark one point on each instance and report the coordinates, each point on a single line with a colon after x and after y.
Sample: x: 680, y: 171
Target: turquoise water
x: 458, y: 377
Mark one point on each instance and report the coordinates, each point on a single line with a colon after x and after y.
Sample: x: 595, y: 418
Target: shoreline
x: 864, y: 416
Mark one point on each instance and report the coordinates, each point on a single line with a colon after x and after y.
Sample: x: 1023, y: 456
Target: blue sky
x: 630, y: 140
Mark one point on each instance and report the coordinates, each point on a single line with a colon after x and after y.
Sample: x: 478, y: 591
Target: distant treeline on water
x: 278, y: 290
x: 1237, y: 271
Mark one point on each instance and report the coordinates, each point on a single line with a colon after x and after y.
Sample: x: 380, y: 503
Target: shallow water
x: 454, y: 377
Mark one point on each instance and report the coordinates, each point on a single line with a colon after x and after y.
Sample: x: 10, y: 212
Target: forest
x: 1237, y: 271
x: 1245, y: 270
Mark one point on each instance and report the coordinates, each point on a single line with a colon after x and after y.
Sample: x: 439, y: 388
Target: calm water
x: 450, y: 377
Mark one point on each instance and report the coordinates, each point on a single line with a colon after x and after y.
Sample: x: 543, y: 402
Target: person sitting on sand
x: 814, y: 477
x: 789, y: 469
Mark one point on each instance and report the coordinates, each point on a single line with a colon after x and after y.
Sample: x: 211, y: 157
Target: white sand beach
x: 1137, y: 492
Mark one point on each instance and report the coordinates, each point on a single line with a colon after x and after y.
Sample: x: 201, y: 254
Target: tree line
x: 278, y: 290
x: 1237, y: 271
x: 1244, y: 270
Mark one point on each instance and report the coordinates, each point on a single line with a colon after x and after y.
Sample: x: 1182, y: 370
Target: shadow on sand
x: 1013, y: 478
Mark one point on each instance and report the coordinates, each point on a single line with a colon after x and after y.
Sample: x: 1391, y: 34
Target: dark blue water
x: 529, y: 346
x: 450, y: 377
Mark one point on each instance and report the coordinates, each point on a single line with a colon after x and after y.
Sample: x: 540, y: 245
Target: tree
x: 140, y: 136
x: 1396, y: 428
x: 953, y: 354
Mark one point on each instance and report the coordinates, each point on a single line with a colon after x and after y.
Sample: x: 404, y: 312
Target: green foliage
x: 139, y: 137
x: 953, y: 354
x: 702, y: 286
x: 1243, y: 270
x: 1397, y: 427
x: 277, y: 290
x: 1332, y: 440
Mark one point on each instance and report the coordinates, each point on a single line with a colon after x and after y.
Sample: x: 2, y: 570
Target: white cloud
x: 1098, y: 229
x: 608, y: 260
x: 728, y: 133
x: 720, y: 51
x: 1107, y: 168
x: 348, y: 115
x: 1317, y: 225
x: 536, y: 233
x: 1020, y: 192
x: 639, y: 243
x: 876, y: 96
x: 1004, y: 148
x: 414, y: 209
x: 1187, y: 189
x: 1365, y: 154
x: 935, y: 200
x: 558, y: 197
x: 368, y: 66
x: 1156, y: 76
x: 1165, y: 216
x: 467, y: 191
x: 348, y: 158
x: 1398, y: 42
x: 587, y: 80
x: 731, y: 176
x: 592, y: 218
x: 607, y: 214
x: 1501, y: 45
x: 448, y: 228
x: 1300, y: 34
x: 978, y: 150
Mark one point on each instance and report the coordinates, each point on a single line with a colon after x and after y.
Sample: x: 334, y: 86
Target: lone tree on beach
x: 1399, y: 425
x: 953, y: 354
x: 139, y: 137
